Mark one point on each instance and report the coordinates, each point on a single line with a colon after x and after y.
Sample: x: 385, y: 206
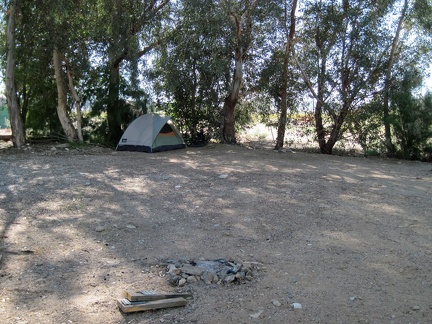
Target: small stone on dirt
x: 191, y: 279
x: 197, y: 271
x: 100, y: 228
x: 276, y: 302
x: 257, y: 314
x: 229, y: 279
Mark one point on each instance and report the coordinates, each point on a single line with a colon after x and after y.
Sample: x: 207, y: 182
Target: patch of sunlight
x: 386, y: 208
x: 343, y: 239
x: 384, y: 267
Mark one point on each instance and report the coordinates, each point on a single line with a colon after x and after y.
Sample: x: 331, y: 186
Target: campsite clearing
x: 334, y: 239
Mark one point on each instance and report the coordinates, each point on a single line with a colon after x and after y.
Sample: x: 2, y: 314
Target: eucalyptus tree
x: 131, y: 29
x: 289, y: 28
x: 190, y: 66
x: 28, y: 72
x: 391, y: 150
x: 72, y: 39
x: 239, y: 14
x: 410, y: 49
x: 212, y: 58
x: 13, y: 103
x: 50, y: 34
x: 344, y: 60
x: 411, y: 115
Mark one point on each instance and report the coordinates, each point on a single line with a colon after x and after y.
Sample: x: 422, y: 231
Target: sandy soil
x: 348, y: 238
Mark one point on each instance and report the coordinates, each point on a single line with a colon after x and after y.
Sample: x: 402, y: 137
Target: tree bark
x: 319, y: 96
x: 288, y: 47
x: 62, y: 111
x: 120, y: 51
x: 113, y: 106
x: 77, y: 101
x: 391, y: 149
x: 230, y: 103
x: 17, y: 125
x: 243, y: 30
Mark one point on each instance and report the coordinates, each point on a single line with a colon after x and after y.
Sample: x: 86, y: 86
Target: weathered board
x: 128, y: 306
x: 134, y: 295
x: 5, y: 138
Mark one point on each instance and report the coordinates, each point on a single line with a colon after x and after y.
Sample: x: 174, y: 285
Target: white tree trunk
x: 77, y: 103
x: 17, y: 126
x: 62, y: 111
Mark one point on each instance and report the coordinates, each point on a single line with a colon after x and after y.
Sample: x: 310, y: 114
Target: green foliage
x: 191, y: 69
x: 341, y: 48
x: 366, y: 127
x: 411, y: 118
x: 4, y: 116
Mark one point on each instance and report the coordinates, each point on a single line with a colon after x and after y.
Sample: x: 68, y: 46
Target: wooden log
x: 128, y: 306
x: 134, y: 295
x: 5, y: 138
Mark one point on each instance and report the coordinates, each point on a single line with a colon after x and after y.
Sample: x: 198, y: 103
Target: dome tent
x: 151, y: 133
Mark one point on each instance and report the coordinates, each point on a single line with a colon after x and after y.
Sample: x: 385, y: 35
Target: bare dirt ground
x: 348, y: 238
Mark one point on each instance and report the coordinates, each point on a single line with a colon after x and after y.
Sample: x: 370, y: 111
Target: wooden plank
x: 128, y: 306
x: 5, y: 137
x: 134, y: 295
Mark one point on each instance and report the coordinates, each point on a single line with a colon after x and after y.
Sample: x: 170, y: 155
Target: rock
x: 130, y: 226
x: 191, y: 270
x: 100, y: 228
x: 240, y: 275
x: 296, y: 305
x: 174, y: 279
x: 182, y: 282
x: 249, y: 275
x: 172, y: 269
x: 416, y: 308
x: 208, y: 277
x: 175, y: 271
x: 223, y: 176
x: 191, y: 279
x: 355, y: 298
x: 229, y: 279
x: 276, y: 302
x: 257, y: 314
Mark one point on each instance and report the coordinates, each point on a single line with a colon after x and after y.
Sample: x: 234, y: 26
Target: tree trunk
x: 17, y: 125
x: 77, y: 102
x: 391, y: 149
x: 243, y: 30
x: 62, y: 110
x: 230, y: 103
x: 319, y: 127
x: 26, y: 94
x: 194, y: 119
x: 288, y: 46
x: 283, y: 113
x: 336, y: 129
x: 113, y: 106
